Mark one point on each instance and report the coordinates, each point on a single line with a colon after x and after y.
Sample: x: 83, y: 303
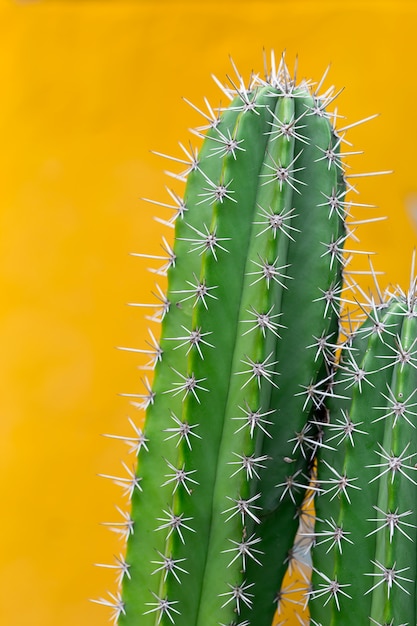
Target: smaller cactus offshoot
x: 364, y: 557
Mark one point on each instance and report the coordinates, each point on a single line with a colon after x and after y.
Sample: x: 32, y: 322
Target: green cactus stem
x: 364, y: 557
x: 242, y: 367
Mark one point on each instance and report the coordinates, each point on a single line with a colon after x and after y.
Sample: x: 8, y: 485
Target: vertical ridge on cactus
x: 244, y: 363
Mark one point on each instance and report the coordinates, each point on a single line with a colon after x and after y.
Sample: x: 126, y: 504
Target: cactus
x: 364, y: 557
x: 242, y: 367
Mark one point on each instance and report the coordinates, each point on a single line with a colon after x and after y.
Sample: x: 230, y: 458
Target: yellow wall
x: 86, y: 90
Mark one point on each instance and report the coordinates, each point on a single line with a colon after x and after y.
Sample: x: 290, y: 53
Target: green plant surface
x: 364, y: 559
x: 244, y: 359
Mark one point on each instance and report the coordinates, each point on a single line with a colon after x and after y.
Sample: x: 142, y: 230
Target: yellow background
x: 87, y: 89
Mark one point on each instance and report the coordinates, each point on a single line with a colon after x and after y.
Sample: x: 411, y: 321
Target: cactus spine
x: 364, y: 559
x: 249, y: 326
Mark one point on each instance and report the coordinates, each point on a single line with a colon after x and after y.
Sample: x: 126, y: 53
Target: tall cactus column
x: 249, y: 324
x: 365, y: 553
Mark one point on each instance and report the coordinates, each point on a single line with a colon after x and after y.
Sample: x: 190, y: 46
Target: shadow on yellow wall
x: 87, y: 89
